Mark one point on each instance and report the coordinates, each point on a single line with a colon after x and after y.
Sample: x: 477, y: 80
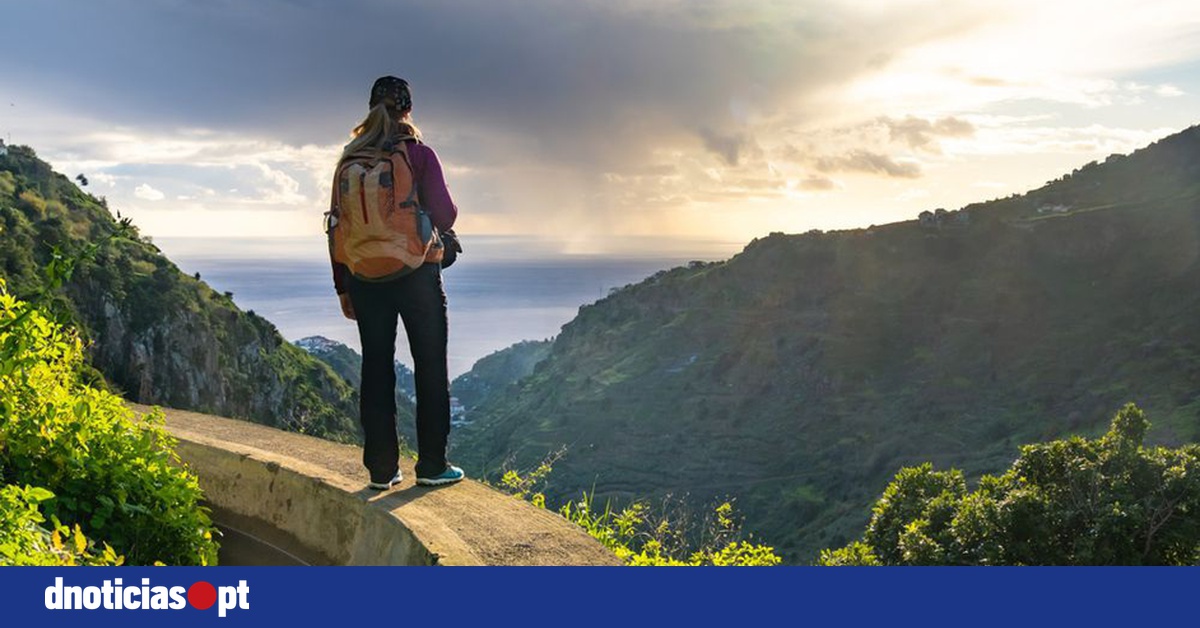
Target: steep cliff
x: 156, y: 335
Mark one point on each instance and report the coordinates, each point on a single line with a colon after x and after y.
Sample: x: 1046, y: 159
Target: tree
x: 82, y: 180
x: 1105, y: 501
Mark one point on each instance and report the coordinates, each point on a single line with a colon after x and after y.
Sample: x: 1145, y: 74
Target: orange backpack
x: 375, y: 225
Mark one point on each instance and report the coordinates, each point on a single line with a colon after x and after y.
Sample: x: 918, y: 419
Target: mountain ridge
x: 801, y: 373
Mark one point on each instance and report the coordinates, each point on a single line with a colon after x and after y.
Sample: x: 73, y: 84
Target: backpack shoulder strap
x: 335, y: 193
x: 414, y: 194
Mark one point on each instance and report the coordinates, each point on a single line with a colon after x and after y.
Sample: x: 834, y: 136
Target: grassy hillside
x: 801, y: 374
x: 494, y: 374
x: 157, y: 335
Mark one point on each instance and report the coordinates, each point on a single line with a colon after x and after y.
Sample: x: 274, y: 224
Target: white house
x: 458, y: 412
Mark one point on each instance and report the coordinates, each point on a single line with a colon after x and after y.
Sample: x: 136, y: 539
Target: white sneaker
x: 383, y: 486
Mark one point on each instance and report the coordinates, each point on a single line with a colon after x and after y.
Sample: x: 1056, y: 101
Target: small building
x: 458, y: 411
x: 942, y: 217
x: 3, y: 149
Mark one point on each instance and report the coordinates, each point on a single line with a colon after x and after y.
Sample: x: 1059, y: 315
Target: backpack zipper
x: 391, y: 187
x: 362, y: 197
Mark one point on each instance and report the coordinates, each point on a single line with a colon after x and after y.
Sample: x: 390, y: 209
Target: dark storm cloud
x: 728, y: 147
x: 583, y: 83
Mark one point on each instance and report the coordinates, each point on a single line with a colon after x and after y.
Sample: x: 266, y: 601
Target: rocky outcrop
x: 216, y: 359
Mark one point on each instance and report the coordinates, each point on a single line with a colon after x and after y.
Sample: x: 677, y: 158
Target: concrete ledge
x: 308, y: 496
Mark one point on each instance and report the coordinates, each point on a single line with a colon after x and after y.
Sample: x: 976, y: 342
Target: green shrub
x: 24, y: 541
x: 641, y: 539
x: 1105, y: 501
x: 8, y: 183
x: 111, y: 473
x: 32, y: 202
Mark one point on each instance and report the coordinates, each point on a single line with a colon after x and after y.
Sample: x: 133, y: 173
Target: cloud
x: 581, y: 84
x: 871, y: 163
x: 104, y: 178
x: 572, y: 113
x: 203, y: 168
x: 727, y: 147
x: 277, y: 187
x: 817, y: 183
x: 528, y: 118
x: 919, y: 133
x: 1029, y: 136
x: 148, y: 193
x: 988, y: 81
x: 1034, y: 51
x: 881, y: 146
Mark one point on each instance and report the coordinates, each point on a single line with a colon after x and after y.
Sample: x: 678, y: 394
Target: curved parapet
x: 309, y: 497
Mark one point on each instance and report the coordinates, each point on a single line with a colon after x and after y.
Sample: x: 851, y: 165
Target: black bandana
x: 393, y: 92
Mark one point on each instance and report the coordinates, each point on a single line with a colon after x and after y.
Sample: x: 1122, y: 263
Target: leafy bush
x: 24, y: 541
x: 99, y: 467
x: 634, y: 536
x: 1105, y: 501
x: 641, y: 539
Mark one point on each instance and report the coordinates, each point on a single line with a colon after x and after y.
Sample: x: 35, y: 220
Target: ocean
x: 502, y: 290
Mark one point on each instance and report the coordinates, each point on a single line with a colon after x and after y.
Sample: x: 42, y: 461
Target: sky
x: 589, y: 121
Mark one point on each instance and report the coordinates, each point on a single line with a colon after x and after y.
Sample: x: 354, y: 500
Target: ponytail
x: 378, y: 129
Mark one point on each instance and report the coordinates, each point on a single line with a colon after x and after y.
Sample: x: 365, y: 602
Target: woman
x: 416, y: 298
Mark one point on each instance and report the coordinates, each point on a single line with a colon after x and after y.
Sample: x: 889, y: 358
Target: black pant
x: 420, y: 301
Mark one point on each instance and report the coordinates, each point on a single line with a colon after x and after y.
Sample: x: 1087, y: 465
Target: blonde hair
x: 379, y: 129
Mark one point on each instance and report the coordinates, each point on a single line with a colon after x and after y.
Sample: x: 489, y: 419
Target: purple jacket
x: 433, y: 196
